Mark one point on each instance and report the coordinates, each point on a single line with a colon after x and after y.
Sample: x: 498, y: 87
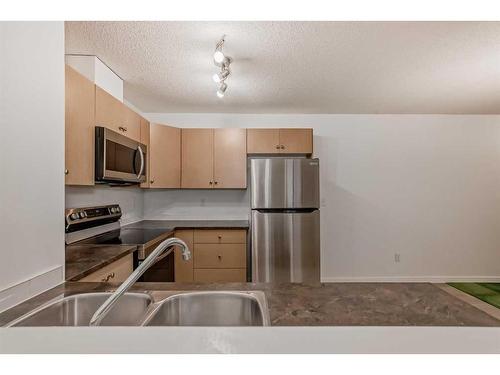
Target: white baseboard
x: 411, y: 279
x: 29, y: 288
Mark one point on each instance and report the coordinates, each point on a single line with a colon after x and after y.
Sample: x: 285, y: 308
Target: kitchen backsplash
x: 138, y: 204
x: 196, y: 204
x: 130, y: 199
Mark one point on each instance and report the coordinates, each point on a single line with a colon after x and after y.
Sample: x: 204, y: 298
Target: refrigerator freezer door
x: 280, y: 183
x: 271, y: 183
x: 285, y: 247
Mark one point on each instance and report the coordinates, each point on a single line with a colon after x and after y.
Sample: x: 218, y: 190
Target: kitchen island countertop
x: 327, y: 304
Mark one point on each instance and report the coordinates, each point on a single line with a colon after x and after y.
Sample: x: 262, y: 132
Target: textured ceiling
x: 302, y: 67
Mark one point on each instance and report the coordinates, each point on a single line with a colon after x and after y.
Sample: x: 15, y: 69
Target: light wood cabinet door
x: 296, y: 141
x: 220, y: 236
x: 184, y: 270
x: 230, y: 158
x: 131, y: 124
x: 79, y: 129
x: 145, y: 136
x: 226, y: 255
x: 220, y: 275
x: 197, y: 158
x: 164, y: 156
x: 108, y: 111
x: 263, y: 141
x: 115, y: 272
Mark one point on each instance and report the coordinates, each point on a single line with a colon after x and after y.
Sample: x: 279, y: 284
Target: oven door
x: 118, y: 158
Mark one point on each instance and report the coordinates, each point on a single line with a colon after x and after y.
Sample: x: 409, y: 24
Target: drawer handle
x: 109, y: 277
x: 122, y: 128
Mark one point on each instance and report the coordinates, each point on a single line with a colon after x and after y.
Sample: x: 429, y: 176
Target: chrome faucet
x: 165, y: 246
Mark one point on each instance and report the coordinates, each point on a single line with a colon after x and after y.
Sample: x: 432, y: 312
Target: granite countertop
x: 183, y: 224
x: 82, y: 260
x: 328, y: 304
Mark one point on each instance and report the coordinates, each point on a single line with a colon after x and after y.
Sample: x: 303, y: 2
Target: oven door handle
x: 142, y: 161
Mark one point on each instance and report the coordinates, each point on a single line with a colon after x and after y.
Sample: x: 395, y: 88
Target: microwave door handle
x: 142, y: 161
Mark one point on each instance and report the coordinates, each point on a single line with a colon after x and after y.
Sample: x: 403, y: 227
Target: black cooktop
x: 129, y: 236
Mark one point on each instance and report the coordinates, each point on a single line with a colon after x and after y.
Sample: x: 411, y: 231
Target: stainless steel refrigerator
x: 285, y: 220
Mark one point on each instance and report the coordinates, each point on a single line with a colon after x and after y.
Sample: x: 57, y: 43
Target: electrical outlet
x: 397, y: 257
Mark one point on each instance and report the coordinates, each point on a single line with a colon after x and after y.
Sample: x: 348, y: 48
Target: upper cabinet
x: 213, y: 158
x: 263, y: 141
x: 131, y: 124
x: 279, y: 141
x: 164, y: 157
x: 197, y: 158
x: 113, y: 114
x: 230, y: 158
x: 79, y: 129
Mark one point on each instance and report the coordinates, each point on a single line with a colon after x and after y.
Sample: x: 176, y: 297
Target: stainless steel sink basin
x: 77, y: 310
x: 211, y: 309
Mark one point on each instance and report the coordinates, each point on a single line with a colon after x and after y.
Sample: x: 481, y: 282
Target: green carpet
x: 487, y: 292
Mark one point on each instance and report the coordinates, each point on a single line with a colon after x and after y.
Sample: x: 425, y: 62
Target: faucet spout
x: 167, y: 247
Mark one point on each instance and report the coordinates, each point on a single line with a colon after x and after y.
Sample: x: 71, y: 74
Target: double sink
x: 179, y: 308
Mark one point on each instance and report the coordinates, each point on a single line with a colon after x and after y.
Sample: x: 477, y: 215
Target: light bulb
x: 216, y: 78
x: 218, y: 56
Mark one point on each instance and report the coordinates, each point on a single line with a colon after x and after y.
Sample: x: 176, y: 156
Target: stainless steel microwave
x: 118, y: 159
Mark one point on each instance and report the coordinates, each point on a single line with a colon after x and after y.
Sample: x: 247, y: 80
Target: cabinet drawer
x: 115, y: 272
x: 220, y: 275
x: 219, y: 256
x: 220, y: 236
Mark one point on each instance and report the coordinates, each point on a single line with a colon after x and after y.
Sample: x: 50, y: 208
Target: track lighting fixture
x: 223, y: 62
x: 222, y: 89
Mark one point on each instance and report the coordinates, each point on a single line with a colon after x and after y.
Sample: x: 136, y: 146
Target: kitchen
x: 212, y: 212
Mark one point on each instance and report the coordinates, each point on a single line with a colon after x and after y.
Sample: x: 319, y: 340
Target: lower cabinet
x: 115, y: 272
x: 220, y: 275
x: 218, y: 255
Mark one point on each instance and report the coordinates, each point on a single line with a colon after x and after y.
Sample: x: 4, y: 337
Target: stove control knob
x: 83, y: 215
x: 118, y: 210
x: 74, y: 216
x: 113, y: 210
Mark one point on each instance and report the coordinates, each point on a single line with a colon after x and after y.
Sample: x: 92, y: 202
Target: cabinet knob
x: 282, y: 147
x: 219, y: 256
x: 220, y: 236
x: 277, y: 147
x: 210, y: 182
x: 122, y: 128
x: 215, y: 182
x: 66, y: 171
x: 152, y: 181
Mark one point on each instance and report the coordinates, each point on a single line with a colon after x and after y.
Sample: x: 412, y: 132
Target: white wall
x: 96, y: 71
x: 130, y: 199
x: 31, y: 158
x: 196, y: 204
x: 424, y: 186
